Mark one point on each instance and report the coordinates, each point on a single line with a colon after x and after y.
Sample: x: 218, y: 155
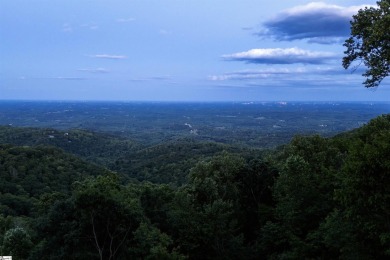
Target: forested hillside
x: 27, y: 173
x: 314, y: 198
x: 166, y: 162
x: 92, y: 146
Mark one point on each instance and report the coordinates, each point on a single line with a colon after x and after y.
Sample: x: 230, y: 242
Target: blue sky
x: 179, y: 50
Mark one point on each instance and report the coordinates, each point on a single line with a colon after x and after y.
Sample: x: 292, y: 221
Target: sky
x: 179, y: 50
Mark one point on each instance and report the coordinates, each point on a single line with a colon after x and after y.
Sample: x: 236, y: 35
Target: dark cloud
x: 317, y: 22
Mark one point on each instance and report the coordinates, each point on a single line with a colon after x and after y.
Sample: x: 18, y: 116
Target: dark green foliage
x: 99, y: 148
x: 255, y: 197
x: 101, y: 220
x: 170, y: 162
x: 205, y: 217
x: 314, y: 198
x: 58, y: 233
x: 105, y: 211
x: 27, y: 173
x: 150, y: 244
x: 364, y: 193
x: 304, y: 197
x: 17, y: 243
x: 332, y: 197
x: 92, y: 223
x: 156, y: 201
x: 370, y: 42
x: 218, y: 213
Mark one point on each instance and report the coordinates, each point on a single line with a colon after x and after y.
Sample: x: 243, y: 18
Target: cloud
x: 164, y: 32
x: 255, y: 74
x: 53, y: 78
x: 316, y: 22
x: 108, y: 56
x: 303, y: 81
x: 279, y: 74
x: 247, y: 28
x: 67, y: 28
x: 280, y: 56
x: 91, y: 26
x: 160, y: 77
x: 97, y: 70
x: 125, y: 20
x: 153, y: 78
x: 69, y: 78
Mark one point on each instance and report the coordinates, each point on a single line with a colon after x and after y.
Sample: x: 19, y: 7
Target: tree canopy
x: 370, y: 42
x: 314, y: 198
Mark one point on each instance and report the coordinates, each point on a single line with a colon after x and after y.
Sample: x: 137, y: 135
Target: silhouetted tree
x: 370, y: 42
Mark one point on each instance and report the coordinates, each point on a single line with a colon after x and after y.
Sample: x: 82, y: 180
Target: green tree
x: 255, y: 196
x: 370, y: 42
x: 206, y: 211
x: 364, y: 194
x: 304, y: 198
x: 150, y: 244
x: 17, y: 242
x: 5, y: 224
x: 108, y: 214
x: 156, y: 201
x: 96, y: 222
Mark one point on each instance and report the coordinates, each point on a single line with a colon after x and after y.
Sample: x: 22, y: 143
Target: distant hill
x: 171, y: 161
x: 167, y: 162
x: 29, y: 172
x: 94, y: 147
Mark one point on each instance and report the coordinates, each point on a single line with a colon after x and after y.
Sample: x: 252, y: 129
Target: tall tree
x: 96, y: 222
x: 206, y: 210
x: 370, y: 42
x: 364, y: 193
x: 304, y: 197
x: 108, y: 214
x: 17, y: 242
